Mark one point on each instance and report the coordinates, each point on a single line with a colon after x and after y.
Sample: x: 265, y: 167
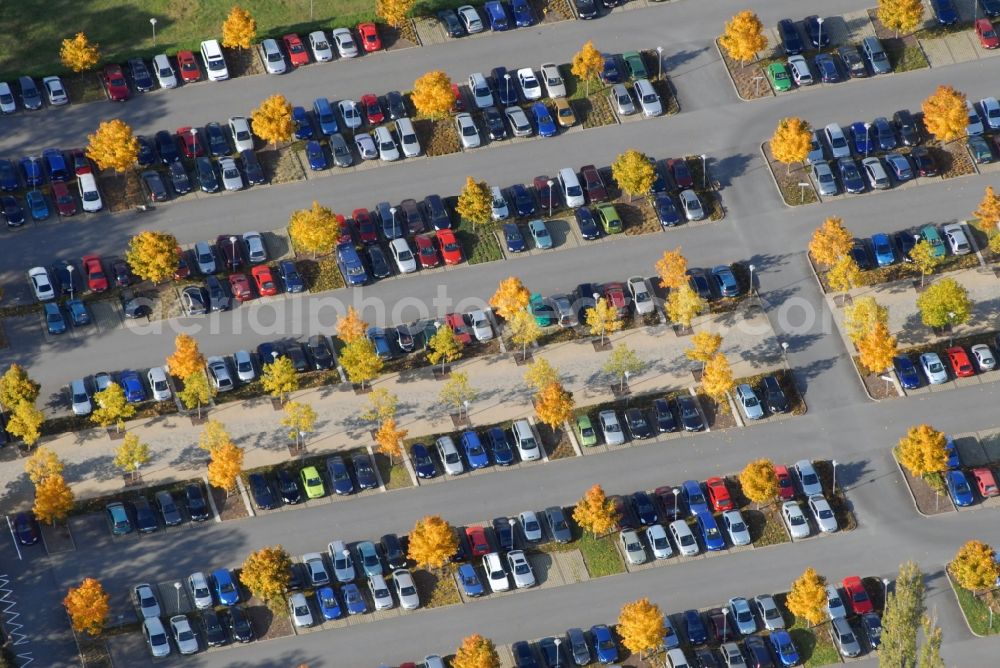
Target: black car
x: 704, y: 658
x: 412, y: 216
x: 885, y: 135
x: 505, y: 85
x: 217, y: 298
x: 665, y: 420
x: 872, y: 625
x: 319, y: 352
x: 859, y: 253
x: 377, y: 262
x: 905, y: 241
x: 395, y: 105
x: 690, y: 416
x: 207, y: 178
x: 196, y: 505
x: 814, y: 28
x: 147, y: 152
x: 523, y: 656
x: 122, y: 273
x: 155, y: 188
x: 774, y: 396
x: 218, y: 145
x: 238, y: 623
x: 392, y: 548
x: 293, y: 351
x: 13, y: 214
x: 215, y: 635
x: 452, y: 25
x: 251, y: 167
x: 758, y: 652
x: 790, y: 40
x: 179, y: 178
x: 853, y: 63
x: 644, y: 509
x: 698, y: 280
x: 850, y: 176
x: 67, y: 279
x: 340, y: 476
x: 991, y: 8
x: 166, y: 147
x: 260, y: 489
x: 909, y: 129
x: 623, y: 507
x: 26, y: 528
x: 585, y: 221
x: 638, y: 425
x: 496, y: 127
x: 524, y: 203
x: 141, y: 77
x: 145, y: 518
x: 436, y: 212
x: 288, y: 487
x: 364, y: 471
x: 296, y: 577
x: 924, y: 162
x: 586, y: 9
x: 553, y: 655
x: 503, y: 532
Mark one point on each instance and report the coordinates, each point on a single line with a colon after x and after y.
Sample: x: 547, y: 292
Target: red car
x: 65, y: 202
x: 367, y: 232
x: 477, y: 541
x: 985, y: 481
x: 987, y: 34
x: 668, y: 500
x: 188, y: 65
x: 370, y: 40
x: 593, y: 184
x: 345, y: 230
x: 857, y: 597
x: 183, y: 270
x: 425, y: 251
x: 373, y: 110
x: 296, y: 50
x: 960, y: 362
x: 786, y: 490
x: 451, y: 250
x: 459, y: 100
x: 240, y: 287
x: 94, y: 271
x: 680, y: 172
x: 264, y: 280
x: 615, y: 294
x: 190, y: 143
x: 718, y: 494
x: 457, y: 324
x: 115, y: 84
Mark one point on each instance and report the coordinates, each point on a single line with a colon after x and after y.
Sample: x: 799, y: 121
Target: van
x: 524, y: 439
x: 648, y: 99
x: 215, y: 62
x: 407, y: 138
x: 325, y: 116
x: 89, y: 194
x: 571, y: 187
x: 482, y: 94
x: 165, y: 73
x: 497, y: 15
x: 449, y: 456
x: 876, y: 55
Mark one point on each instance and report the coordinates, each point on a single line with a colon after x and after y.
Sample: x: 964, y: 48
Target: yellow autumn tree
x: 225, y: 467
x: 25, y: 423
x: 475, y: 203
x: 524, y: 330
x: 153, y: 256
x: 704, y: 346
x: 640, y: 626
x: 945, y: 302
x: 922, y: 451
x: 511, y: 296
x: 672, y: 269
x: 111, y: 407
x: 444, y: 347
x: 974, y: 566
x: 214, y: 436
x: 684, y: 305
x: 946, y: 115
x: 830, y: 242
x: 588, y: 63
x: 476, y: 652
x: 925, y: 259
x: 595, y: 513
x: 351, y: 326
x: 807, y: 600
x: 361, y: 361
x: 432, y: 542
x: 744, y: 36
x: 457, y: 392
x: 113, y: 146
x: 88, y: 606
x: 267, y: 572
x: 300, y: 418
x: 633, y: 172
x: 187, y: 358
x: 314, y: 230
x: 131, y: 455
x: 844, y: 275
x: 717, y: 377
x: 432, y: 95
x: 239, y: 29
x: 622, y: 363
x: 554, y: 405
x: 988, y: 212
x: 877, y: 348
x: 53, y: 499
x: 42, y: 463
x: 791, y: 142
x: 540, y: 374
x: 17, y: 386
x: 759, y: 482
x: 394, y: 12
x: 603, y: 319
x: 382, y: 405
x: 279, y: 378
x: 272, y: 120
x: 901, y: 16
x: 862, y: 315
x: 389, y: 438
x: 197, y: 391
x: 79, y: 54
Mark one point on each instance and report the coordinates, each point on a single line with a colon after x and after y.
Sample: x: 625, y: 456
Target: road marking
x: 14, y: 538
x: 10, y: 624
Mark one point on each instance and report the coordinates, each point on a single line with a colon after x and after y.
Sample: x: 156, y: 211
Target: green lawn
x: 976, y: 612
x: 600, y: 555
x: 122, y: 27
x: 814, y: 644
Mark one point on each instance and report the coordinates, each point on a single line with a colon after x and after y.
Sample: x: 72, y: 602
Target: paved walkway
x: 749, y: 343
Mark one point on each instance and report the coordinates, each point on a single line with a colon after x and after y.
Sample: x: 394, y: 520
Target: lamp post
x: 392, y: 211
x: 152, y: 22
x: 725, y: 623
x: 511, y: 521
x: 820, y: 37
x: 506, y: 79
x: 704, y: 172
x: 232, y: 241
x: 752, y: 267
x: 867, y: 140
x: 951, y: 334
x: 177, y: 586
x: 676, y: 491
x: 885, y: 591
x: 626, y: 375
x: 659, y: 60
x: 550, y: 183
x: 559, y: 642
x: 784, y: 349
x: 465, y: 404
x: 69, y: 268
x: 135, y: 474
x: 834, y: 463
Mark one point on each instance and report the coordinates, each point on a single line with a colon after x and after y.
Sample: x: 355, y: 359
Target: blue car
x: 944, y: 12
x: 694, y: 627
x: 523, y: 16
x: 725, y: 281
x: 954, y: 460
x: 422, y: 462
x: 862, y: 138
x: 610, y: 72
x: 78, y: 312
x: 475, y: 453
x: 958, y: 488
x: 666, y: 210
x: 328, y: 603
x: 303, y: 126
x: 8, y: 176
x: 543, y: 119
x: 885, y: 135
x: 350, y: 264
x: 368, y: 557
x: 503, y: 454
x: 353, y: 600
x: 585, y: 221
x: 290, y: 276
x: 784, y: 648
x: 55, y: 163
x: 515, y: 240
x: 316, y: 155
x: 710, y: 533
x: 693, y: 497
x: 471, y: 584
x: 850, y: 176
x: 37, y: 205
x: 31, y: 168
x: 522, y: 655
x: 497, y: 15
x: 340, y: 477
x: 906, y: 372
x: 225, y: 589
x: 604, y: 644
x: 884, y: 254
x: 54, y: 320
x: 524, y: 203
x: 132, y: 384
x: 670, y: 638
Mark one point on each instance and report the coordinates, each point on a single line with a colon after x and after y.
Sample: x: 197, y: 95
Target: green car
x: 545, y: 316
x: 312, y: 481
x: 610, y: 220
x: 931, y: 236
x: 636, y: 67
x: 588, y: 436
x: 778, y: 75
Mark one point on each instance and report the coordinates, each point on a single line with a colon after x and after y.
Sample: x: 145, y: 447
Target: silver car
x: 185, y: 638
x: 316, y: 569
x: 613, y: 434
x: 244, y: 366
x: 658, y: 541
x: 834, y: 604
x: 983, y: 356
x: 406, y: 591
x: 808, y: 479
x: 957, y: 240
x: 692, y: 205
x: 816, y: 152
x: 366, y: 146
x: 519, y: 122
x: 349, y: 112
x: 823, y: 514
x: 837, y: 141
x: 156, y: 636
x: 632, y: 547
x: 795, y: 519
x: 843, y: 635
x: 387, y: 149
x: 255, y: 247
x: 875, y: 172
x: 554, y: 84
x: 218, y: 372
x: 470, y: 19
x: 825, y: 180
x: 749, y: 402
x: 346, y: 46
x: 520, y: 569
x: 341, y: 153
x: 768, y: 611
x: 467, y: 131
x: 380, y: 592
x: 343, y: 564
x: 743, y: 618
x: 271, y: 56
x: 933, y: 368
x: 683, y: 537
x: 56, y: 93
x: 621, y: 100
x: 530, y: 526
x: 145, y: 598
x: 642, y: 298
x: 320, y: 47
x: 298, y: 609
x: 736, y: 527
x: 202, y: 595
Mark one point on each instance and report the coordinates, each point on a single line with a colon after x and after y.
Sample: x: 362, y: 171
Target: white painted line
x: 732, y: 407
x: 572, y: 438
x: 694, y: 393
x: 14, y: 538
x: 211, y: 499
x: 244, y: 496
x: 378, y: 474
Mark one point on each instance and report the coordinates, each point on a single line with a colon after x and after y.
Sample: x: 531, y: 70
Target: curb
x: 954, y: 593
x: 908, y: 490
x: 245, y: 496
x: 774, y: 179
x: 571, y: 433
x: 736, y: 413
x: 718, y: 49
x: 211, y: 499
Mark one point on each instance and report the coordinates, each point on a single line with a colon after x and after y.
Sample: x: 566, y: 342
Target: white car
x: 648, y: 99
x: 80, y: 397
x: 448, y: 454
x: 470, y: 19
x: 407, y: 138
x: 498, y: 204
x: 632, y: 547
x: 55, y: 91
x: 768, y: 612
x: 349, y: 112
x: 519, y: 123
x: 808, y: 478
x: 298, y: 608
x: 834, y: 604
x: 380, y: 592
x: 520, y: 569
x: 612, y: 429
x: 837, y: 141
x: 530, y: 526
x: 166, y: 76
x: 795, y: 519
x: 185, y: 638
x: 531, y: 89
x: 156, y: 636
x: 343, y: 564
x: 406, y: 591
x: 683, y: 537
x: 387, y: 149
x: 244, y: 366
x: 482, y: 94
x: 737, y: 529
x: 145, y: 598
x: 495, y: 573
x: 621, y: 100
x: 991, y: 112
x: 692, y: 205
x: 933, y: 368
x: 318, y: 576
x: 657, y: 537
x: 366, y: 146
x: 554, y: 84
x: 239, y: 129
x: 157, y: 378
x: 320, y: 46
x: 823, y: 513
x: 8, y: 104
x: 403, y: 256
x: 231, y: 177
x: 256, y: 250
x: 467, y: 131
x: 748, y: 401
x: 642, y: 298
x: 983, y: 356
x: 481, y: 327
x: 799, y: 69
x: 202, y: 595
x: 975, y: 126
x: 41, y: 284
x: 271, y: 56
x: 957, y: 240
x: 677, y: 658
x: 346, y: 46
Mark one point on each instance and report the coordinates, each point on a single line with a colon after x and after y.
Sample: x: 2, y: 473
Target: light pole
x: 177, y: 586
x: 751, y: 277
x: 802, y: 190
x: 559, y: 642
x: 69, y: 268
x: 676, y: 491
x: 820, y: 37
x: 135, y: 474
x: 347, y: 556
x: 627, y: 375
x: 704, y: 172
x: 784, y: 349
x: 834, y: 462
x: 152, y: 22
x: 232, y: 241
x: 465, y: 404
x: 659, y: 60
x: 867, y: 140
x: 550, y: 183
x: 885, y: 591
x: 725, y: 623
x: 392, y: 210
x: 513, y: 541
x: 506, y: 78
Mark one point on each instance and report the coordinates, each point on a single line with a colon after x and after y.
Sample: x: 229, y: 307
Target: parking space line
x: 14, y: 538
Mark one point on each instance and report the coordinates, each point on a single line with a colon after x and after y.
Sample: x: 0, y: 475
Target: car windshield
x: 750, y: 402
x: 738, y: 526
x: 687, y: 539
